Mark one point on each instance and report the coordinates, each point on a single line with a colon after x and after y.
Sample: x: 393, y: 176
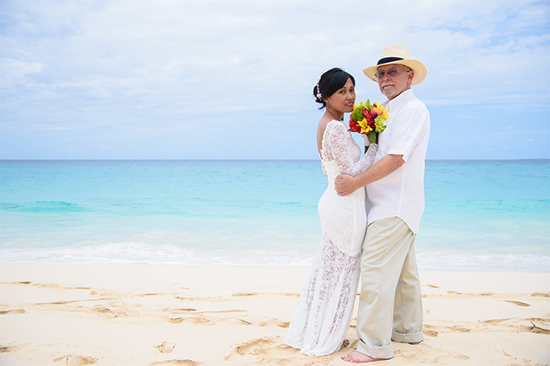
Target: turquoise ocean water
x: 480, y: 215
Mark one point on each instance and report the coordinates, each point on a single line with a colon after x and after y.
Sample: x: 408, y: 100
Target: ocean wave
x: 136, y: 252
x: 45, y: 207
x: 153, y: 254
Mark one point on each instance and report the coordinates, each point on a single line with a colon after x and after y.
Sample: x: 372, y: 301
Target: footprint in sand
x: 197, y: 320
x: 458, y: 328
x: 176, y: 362
x: 4, y: 349
x: 495, y: 321
x: 12, y: 311
x: 279, y: 351
x: 253, y: 347
x: 101, y: 309
x: 71, y: 360
x: 166, y: 347
x: 518, y: 303
x: 431, y: 332
x: 245, y: 294
x: 540, y: 328
x: 184, y: 310
x: 274, y: 322
x: 238, y: 322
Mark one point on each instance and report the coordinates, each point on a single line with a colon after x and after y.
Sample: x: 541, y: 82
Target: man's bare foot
x: 358, y: 357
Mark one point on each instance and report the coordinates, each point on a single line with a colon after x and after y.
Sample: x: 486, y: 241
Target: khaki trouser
x: 390, y: 305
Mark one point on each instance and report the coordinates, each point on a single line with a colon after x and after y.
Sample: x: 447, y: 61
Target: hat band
x: 386, y: 60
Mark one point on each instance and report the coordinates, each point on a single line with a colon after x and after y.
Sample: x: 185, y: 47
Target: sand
x: 126, y: 314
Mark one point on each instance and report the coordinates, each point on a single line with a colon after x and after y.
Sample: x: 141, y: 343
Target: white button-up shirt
x: 401, y: 194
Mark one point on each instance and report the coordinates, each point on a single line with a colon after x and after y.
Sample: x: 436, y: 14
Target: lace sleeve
x: 339, y: 142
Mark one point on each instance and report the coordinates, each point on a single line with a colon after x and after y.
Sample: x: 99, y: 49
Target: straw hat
x: 398, y: 55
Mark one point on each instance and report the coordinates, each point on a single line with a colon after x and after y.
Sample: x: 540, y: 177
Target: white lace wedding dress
x: 323, y: 314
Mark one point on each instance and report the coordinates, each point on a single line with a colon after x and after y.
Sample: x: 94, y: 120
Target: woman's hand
x: 344, y: 184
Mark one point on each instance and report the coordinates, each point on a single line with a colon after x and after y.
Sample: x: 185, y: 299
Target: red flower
x: 354, y: 126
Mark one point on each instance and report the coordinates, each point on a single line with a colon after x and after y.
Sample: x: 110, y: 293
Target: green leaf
x: 372, y: 137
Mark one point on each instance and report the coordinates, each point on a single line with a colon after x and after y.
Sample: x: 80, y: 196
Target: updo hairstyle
x: 330, y: 82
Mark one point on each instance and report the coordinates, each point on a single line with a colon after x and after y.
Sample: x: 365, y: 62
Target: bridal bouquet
x: 368, y: 119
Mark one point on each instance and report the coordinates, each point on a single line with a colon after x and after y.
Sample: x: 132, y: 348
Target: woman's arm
x: 341, y: 150
x: 346, y: 184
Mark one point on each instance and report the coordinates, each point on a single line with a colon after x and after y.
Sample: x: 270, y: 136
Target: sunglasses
x: 390, y: 72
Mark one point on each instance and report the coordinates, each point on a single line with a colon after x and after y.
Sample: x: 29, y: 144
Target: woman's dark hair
x: 330, y: 82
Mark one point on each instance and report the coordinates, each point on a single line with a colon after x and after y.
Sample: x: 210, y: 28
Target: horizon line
x: 244, y: 159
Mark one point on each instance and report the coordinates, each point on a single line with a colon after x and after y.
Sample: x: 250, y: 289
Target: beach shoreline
x: 152, y: 314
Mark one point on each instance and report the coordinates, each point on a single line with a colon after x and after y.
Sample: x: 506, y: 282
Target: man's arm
x: 346, y: 184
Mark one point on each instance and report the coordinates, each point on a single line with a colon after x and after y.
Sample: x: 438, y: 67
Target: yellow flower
x: 365, y: 128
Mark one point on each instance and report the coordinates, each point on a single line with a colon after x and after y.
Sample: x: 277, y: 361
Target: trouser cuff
x: 376, y: 352
x: 408, y: 337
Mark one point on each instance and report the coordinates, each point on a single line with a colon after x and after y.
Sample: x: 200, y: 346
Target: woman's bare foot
x: 358, y: 357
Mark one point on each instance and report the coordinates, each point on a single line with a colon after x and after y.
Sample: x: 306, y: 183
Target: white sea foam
x: 167, y: 254
x: 153, y: 254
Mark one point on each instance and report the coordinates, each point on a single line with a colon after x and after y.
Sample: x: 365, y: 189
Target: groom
x: 390, y: 305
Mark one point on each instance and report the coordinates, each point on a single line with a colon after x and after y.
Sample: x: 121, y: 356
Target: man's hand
x: 344, y: 184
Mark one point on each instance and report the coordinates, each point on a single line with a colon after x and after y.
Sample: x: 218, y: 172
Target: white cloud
x: 15, y: 71
x: 161, y: 64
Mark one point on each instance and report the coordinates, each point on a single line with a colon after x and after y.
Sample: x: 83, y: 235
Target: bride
x: 323, y: 314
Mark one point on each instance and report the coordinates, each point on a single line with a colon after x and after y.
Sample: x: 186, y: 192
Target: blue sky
x: 222, y: 79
